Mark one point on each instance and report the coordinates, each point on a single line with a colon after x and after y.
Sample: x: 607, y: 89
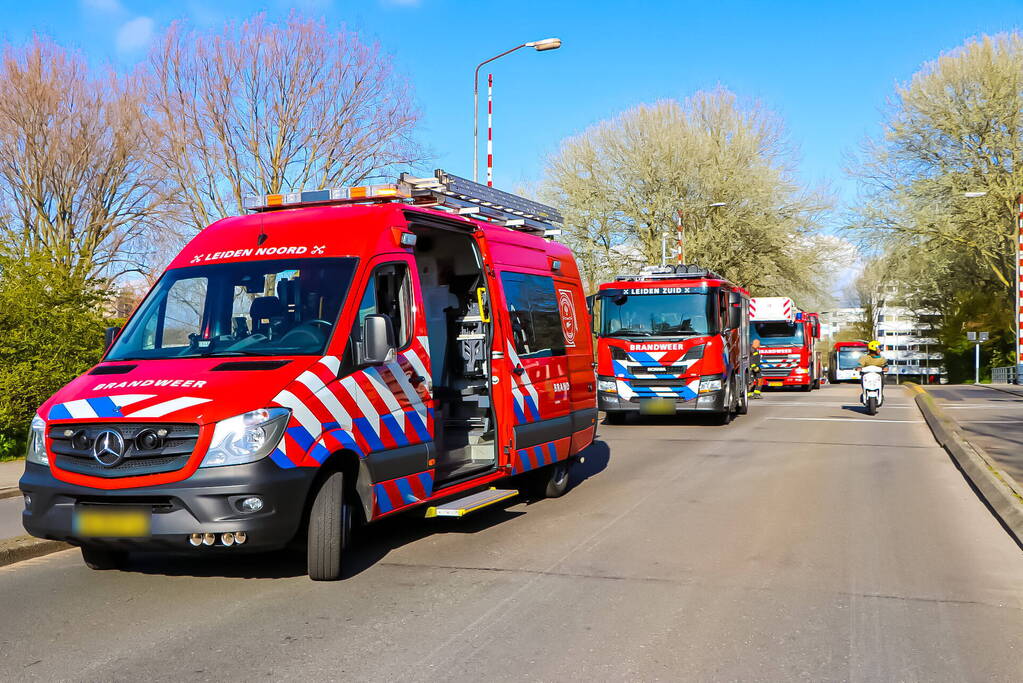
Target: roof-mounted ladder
x: 442, y: 191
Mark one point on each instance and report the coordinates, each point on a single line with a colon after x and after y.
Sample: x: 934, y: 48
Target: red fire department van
x: 672, y: 339
x: 788, y: 342
x: 338, y: 356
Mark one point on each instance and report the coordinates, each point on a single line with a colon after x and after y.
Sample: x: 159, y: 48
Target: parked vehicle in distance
x: 845, y: 361
x: 339, y: 356
x: 788, y: 342
x: 671, y: 340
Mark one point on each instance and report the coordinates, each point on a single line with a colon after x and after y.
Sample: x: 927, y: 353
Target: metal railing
x: 1005, y: 375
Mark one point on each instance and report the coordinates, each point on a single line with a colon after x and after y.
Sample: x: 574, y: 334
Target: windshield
x: 778, y: 333
x: 849, y: 359
x: 260, y: 308
x: 656, y: 315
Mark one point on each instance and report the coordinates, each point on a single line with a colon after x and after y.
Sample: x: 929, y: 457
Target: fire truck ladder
x: 443, y: 191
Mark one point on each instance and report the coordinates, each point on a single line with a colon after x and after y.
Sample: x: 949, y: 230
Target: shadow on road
x: 371, y: 543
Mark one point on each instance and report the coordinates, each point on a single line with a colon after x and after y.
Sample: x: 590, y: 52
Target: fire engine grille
x: 73, y: 448
x: 775, y: 372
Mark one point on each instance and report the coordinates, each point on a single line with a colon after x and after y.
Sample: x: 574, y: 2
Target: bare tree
x: 624, y: 183
x: 76, y: 179
x: 262, y: 107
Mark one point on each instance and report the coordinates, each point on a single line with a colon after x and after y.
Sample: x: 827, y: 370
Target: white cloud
x: 135, y: 34
x: 102, y: 6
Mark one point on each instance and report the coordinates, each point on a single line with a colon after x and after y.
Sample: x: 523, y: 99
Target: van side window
x: 388, y: 292
x: 533, y: 309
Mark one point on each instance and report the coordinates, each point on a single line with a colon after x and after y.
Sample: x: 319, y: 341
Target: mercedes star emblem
x: 108, y: 448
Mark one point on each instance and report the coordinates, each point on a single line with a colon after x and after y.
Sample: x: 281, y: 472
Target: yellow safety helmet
x: 873, y: 346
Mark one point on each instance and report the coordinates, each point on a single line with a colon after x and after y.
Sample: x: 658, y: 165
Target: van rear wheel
x: 103, y: 558
x: 550, y: 481
x: 330, y: 526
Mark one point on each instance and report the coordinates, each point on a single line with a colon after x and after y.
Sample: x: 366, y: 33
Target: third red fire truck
x: 788, y: 342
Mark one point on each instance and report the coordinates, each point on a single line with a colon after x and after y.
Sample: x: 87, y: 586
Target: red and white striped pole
x: 1019, y: 289
x: 681, y: 239
x: 490, y: 130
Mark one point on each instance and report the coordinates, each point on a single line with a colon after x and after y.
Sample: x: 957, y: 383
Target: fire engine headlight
x: 37, y: 442
x: 247, y: 437
x: 608, y: 385
x: 801, y: 371
x: 710, y: 383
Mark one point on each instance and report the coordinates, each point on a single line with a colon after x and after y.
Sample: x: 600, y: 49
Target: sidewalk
x: 982, y: 429
x: 990, y: 416
x: 10, y: 473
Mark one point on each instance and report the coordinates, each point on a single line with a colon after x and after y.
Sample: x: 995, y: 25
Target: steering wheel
x: 305, y: 329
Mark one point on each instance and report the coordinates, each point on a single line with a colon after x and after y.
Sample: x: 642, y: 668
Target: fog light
x: 240, y: 537
x: 209, y: 539
x: 252, y: 504
x: 28, y: 501
x: 195, y: 539
x: 227, y: 538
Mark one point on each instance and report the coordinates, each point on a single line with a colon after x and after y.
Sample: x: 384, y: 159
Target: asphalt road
x: 805, y: 541
x: 990, y: 418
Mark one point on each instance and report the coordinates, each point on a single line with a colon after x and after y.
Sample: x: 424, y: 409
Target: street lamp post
x: 682, y: 231
x: 539, y: 46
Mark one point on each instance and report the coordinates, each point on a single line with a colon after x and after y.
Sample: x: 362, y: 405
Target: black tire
x: 551, y: 481
x: 742, y: 403
x: 807, y: 388
x: 102, y: 559
x: 616, y: 417
x: 872, y: 405
x: 330, y: 526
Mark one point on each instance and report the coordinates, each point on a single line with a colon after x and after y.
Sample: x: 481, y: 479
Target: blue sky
x: 825, y: 67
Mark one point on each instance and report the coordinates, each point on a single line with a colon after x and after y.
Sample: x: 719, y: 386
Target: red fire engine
x: 672, y: 339
x: 788, y: 340
x: 340, y: 355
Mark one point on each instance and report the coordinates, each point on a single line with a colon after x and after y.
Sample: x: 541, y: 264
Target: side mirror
x: 109, y: 334
x: 377, y: 344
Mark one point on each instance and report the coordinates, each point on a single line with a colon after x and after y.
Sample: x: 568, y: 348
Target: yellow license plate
x: 98, y: 522
x: 657, y: 406
x: 776, y: 384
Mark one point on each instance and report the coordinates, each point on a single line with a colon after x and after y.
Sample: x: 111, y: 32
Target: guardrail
x: 1006, y: 375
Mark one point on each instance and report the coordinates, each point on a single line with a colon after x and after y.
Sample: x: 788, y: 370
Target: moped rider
x: 873, y: 357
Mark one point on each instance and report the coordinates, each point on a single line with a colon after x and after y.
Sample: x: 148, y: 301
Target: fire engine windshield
x: 777, y: 333
x: 260, y: 308
x: 624, y: 314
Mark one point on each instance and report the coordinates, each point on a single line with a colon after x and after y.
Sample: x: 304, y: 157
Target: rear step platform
x: 463, y: 506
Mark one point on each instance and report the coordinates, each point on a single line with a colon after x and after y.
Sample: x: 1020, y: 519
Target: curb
x: 26, y: 547
x: 10, y: 493
x: 1000, y: 491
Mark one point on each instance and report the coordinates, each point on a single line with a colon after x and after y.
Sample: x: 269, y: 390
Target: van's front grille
x: 124, y: 449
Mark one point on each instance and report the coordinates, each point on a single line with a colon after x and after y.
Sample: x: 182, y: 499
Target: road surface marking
x: 841, y: 419
x: 843, y: 405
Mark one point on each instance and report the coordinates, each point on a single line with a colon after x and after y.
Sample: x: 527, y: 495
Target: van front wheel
x: 103, y: 558
x: 330, y: 525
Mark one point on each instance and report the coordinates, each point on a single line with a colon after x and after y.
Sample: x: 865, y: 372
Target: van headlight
x: 247, y: 437
x: 608, y: 385
x: 710, y: 383
x: 37, y: 442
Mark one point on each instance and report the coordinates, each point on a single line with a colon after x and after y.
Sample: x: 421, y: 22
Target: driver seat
x: 267, y: 313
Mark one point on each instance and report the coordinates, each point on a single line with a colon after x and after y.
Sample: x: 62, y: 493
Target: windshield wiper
x: 628, y: 331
